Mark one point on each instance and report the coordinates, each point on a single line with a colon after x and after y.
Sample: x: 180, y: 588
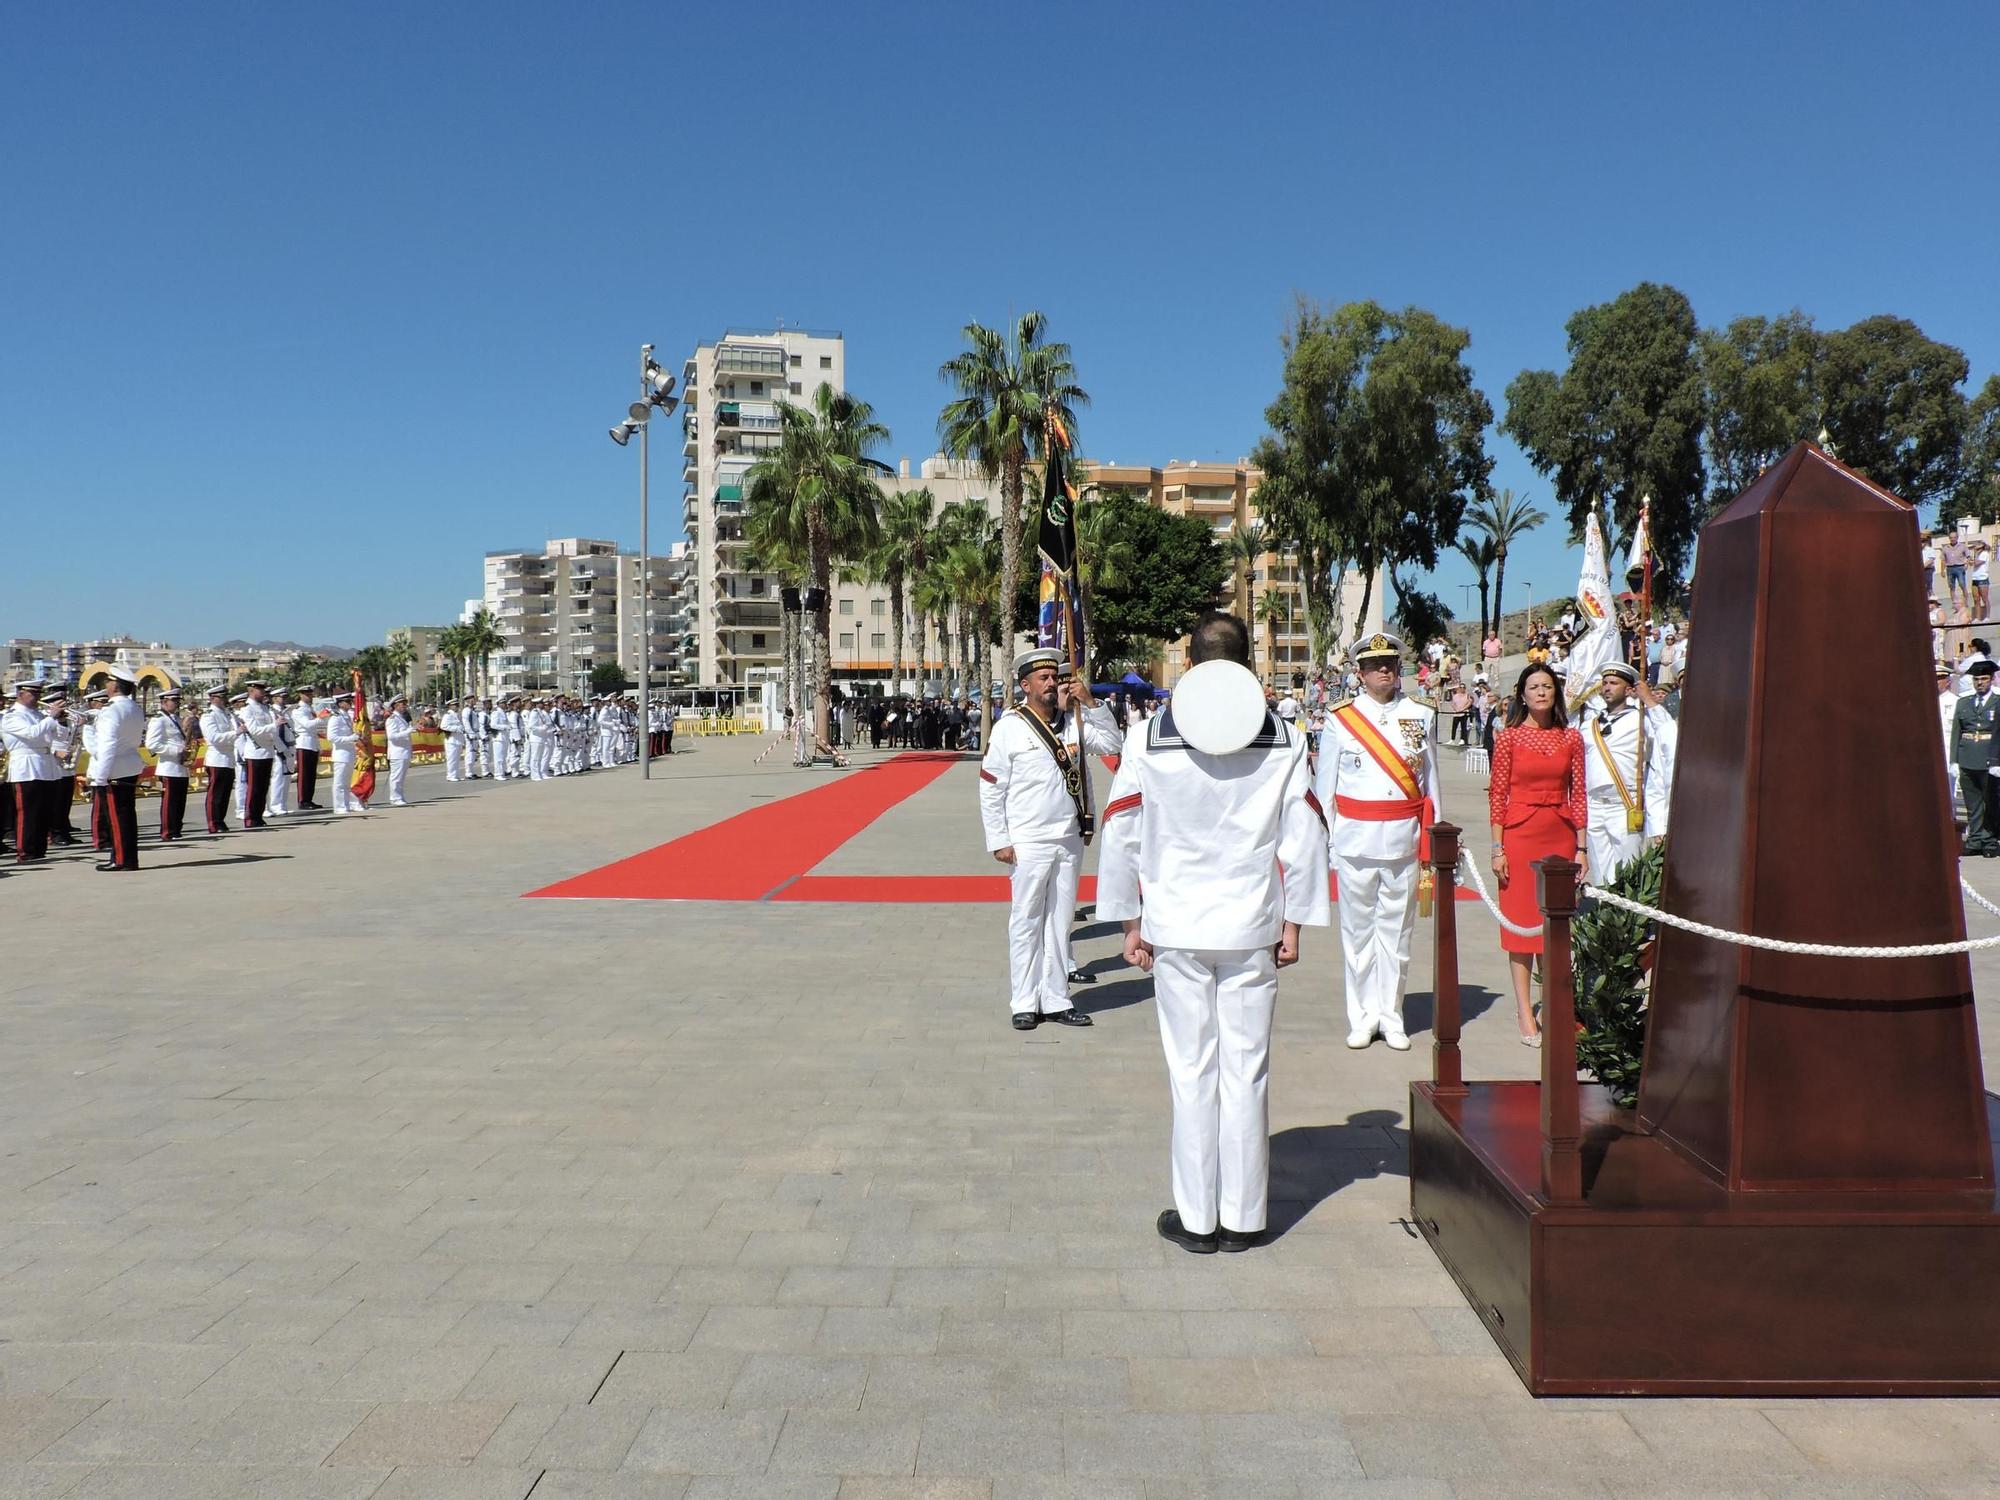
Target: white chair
x: 1475, y: 760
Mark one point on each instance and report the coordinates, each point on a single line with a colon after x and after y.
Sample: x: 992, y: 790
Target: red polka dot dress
x: 1537, y: 798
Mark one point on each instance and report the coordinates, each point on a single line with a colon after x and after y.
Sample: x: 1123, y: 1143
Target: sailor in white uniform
x: 453, y: 724
x: 1214, y: 858
x: 168, y: 743
x: 400, y: 740
x: 1032, y: 802
x: 345, y: 742
x: 1611, y: 750
x: 1377, y: 780
x: 309, y: 737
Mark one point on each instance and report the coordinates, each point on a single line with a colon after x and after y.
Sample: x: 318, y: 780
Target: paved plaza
x: 335, y: 1168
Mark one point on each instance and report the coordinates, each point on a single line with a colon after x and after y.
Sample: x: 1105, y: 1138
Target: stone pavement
x: 332, y: 1168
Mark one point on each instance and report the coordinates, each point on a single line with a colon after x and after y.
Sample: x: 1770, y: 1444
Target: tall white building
x: 729, y: 417
x: 575, y: 604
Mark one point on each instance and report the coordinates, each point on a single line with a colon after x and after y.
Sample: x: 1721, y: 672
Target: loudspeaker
x: 815, y: 600
x: 789, y: 597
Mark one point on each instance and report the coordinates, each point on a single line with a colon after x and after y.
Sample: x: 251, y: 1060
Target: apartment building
x: 574, y: 604
x: 733, y: 630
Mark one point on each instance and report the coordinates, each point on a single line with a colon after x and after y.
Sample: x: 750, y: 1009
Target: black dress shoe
x: 1170, y: 1227
x: 1071, y: 1017
x: 1082, y: 976
x: 112, y: 866
x: 1025, y: 1020
x: 1235, y: 1242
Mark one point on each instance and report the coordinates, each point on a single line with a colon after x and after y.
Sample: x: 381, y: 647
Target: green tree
x: 608, y: 677
x: 483, y: 639
x: 821, y: 483
x: 372, y: 662
x: 1893, y: 407
x: 1504, y: 520
x: 1479, y: 550
x: 1377, y: 443
x: 1271, y: 611
x: 402, y: 656
x: 900, y: 553
x: 1761, y: 377
x: 1008, y: 387
x: 1183, y: 572
x: 1624, y: 421
x: 971, y: 569
x: 772, y: 546
x: 1978, y: 491
x: 1419, y: 614
x: 1105, y: 556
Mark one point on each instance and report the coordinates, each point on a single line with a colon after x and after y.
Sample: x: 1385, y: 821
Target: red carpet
x: 768, y: 853
x: 749, y: 856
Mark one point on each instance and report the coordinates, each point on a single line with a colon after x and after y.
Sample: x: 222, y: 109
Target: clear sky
x: 306, y: 308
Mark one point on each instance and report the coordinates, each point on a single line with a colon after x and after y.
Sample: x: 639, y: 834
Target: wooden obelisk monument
x: 1804, y: 1200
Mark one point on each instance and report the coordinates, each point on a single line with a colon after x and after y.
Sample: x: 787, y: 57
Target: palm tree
x: 931, y: 600
x: 823, y: 481
x: 1504, y: 519
x: 1007, y: 390
x: 899, y: 556
x: 482, y: 639
x: 372, y: 662
x: 400, y: 658
x: 771, y: 548
x: 1271, y: 612
x: 1480, y: 552
x: 973, y: 569
x: 1242, y: 548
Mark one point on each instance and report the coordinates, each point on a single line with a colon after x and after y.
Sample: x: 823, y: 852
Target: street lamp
x: 655, y: 394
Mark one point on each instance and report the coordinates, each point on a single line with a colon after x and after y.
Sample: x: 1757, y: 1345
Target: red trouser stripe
x: 111, y: 817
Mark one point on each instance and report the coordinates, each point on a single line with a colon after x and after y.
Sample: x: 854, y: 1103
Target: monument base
x: 1662, y: 1283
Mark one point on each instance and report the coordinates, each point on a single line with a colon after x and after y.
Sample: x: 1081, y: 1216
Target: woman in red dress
x: 1536, y: 799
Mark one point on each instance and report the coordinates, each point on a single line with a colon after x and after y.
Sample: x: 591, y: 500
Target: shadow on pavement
x: 1310, y: 1163
x: 1420, y: 1009
x: 1115, y: 996
x: 222, y: 859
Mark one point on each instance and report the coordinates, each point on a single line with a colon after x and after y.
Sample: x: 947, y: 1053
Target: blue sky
x: 305, y: 309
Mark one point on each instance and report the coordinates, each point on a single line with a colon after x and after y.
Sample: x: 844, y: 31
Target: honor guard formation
x: 259, y: 752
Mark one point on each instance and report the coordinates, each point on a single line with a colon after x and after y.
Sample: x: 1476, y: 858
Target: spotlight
x: 638, y: 411
x: 622, y: 433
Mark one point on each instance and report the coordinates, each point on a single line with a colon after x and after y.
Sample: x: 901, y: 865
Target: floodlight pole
x: 645, y: 583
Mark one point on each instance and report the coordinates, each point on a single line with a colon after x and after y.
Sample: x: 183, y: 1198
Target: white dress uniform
x: 1375, y: 828
x: 1616, y: 735
x: 346, y: 747
x: 280, y: 801
x: 475, y: 742
x: 453, y: 725
x: 1213, y: 854
x: 256, y: 743
x: 308, y: 738
x: 498, y: 722
x: 1023, y: 803
x: 540, y: 728
x: 169, y: 746
x: 396, y: 733
x: 610, y: 732
x: 517, y: 742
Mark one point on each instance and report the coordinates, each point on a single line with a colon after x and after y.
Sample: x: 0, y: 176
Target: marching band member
x: 116, y: 732
x: 1377, y: 780
x: 308, y: 739
x: 218, y: 735
x: 257, y: 749
x: 29, y: 735
x: 475, y: 739
x: 60, y: 789
x: 280, y: 801
x: 1611, y: 740
x: 168, y: 741
x: 1032, y: 802
x: 1215, y: 856
x: 398, y: 735
x: 499, y: 729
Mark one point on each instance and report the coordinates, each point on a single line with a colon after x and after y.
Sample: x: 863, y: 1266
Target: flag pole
x: 1645, y: 647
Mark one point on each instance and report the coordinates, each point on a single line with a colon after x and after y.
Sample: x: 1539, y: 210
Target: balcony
x: 729, y: 495
x: 748, y: 359
x: 763, y: 614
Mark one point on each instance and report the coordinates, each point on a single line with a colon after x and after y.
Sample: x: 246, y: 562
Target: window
x: 847, y: 640
x: 756, y: 387
x: 847, y: 606
x: 878, y: 606
x: 826, y: 361
x: 757, y: 640
x: 878, y: 640
x: 795, y: 388
x: 797, y: 360
x: 756, y: 585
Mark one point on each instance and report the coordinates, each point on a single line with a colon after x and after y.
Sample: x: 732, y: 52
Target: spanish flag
x: 363, y: 784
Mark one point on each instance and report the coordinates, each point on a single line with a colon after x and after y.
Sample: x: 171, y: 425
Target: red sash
x: 1414, y: 803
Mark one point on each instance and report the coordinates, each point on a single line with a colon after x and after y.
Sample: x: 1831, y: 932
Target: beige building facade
x: 576, y: 603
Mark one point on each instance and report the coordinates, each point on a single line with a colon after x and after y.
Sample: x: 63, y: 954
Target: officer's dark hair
x: 1219, y: 636
x: 1981, y: 647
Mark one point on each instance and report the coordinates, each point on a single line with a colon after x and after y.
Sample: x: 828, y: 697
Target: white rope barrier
x: 1471, y: 867
x: 1745, y: 939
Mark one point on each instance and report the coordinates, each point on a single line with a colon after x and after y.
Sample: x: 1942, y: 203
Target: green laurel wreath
x: 1607, y: 949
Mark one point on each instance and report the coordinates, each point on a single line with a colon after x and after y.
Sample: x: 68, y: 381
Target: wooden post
x: 1562, y: 1158
x: 1447, y: 1075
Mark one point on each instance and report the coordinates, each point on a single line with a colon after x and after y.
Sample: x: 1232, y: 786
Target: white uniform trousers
x: 280, y: 801
x: 343, y: 785
x: 537, y: 757
x: 500, y: 759
x: 1215, y: 1024
x: 454, y: 757
x: 475, y: 757
x: 1610, y: 844
x: 1378, y: 911
x: 1044, y: 901
x: 399, y: 771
